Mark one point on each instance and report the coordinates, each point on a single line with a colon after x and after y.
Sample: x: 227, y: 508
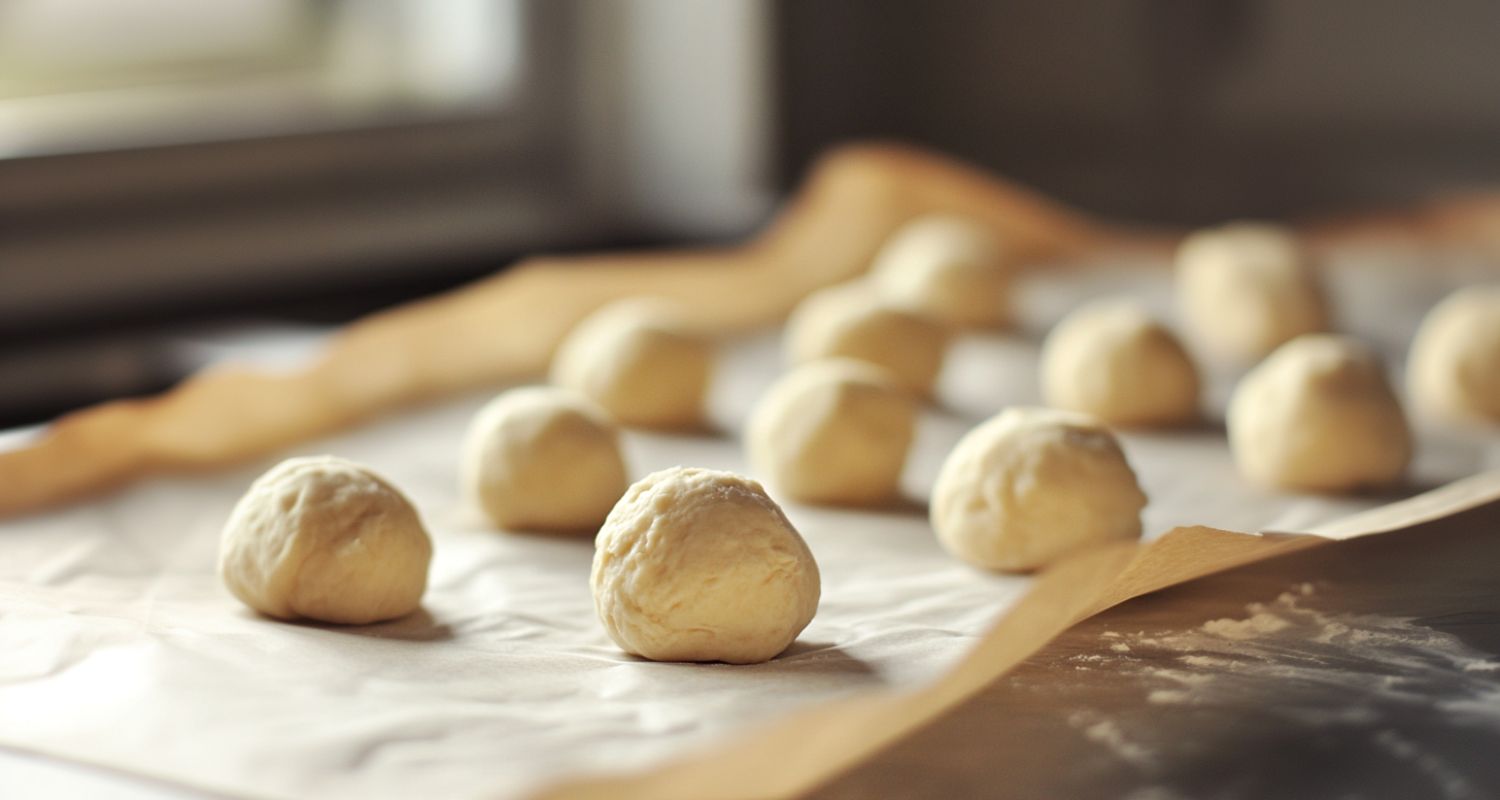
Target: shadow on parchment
x: 418, y: 626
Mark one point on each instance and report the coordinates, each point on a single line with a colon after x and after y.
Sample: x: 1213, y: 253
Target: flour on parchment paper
x: 1330, y: 672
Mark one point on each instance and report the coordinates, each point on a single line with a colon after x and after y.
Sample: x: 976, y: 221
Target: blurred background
x: 178, y: 177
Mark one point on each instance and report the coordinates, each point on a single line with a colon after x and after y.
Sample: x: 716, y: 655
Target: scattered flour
x: 1207, y: 662
x: 1106, y: 732
x: 1362, y: 675
x: 1169, y: 696
x: 1254, y: 627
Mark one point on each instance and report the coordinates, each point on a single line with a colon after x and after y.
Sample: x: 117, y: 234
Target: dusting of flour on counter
x: 1240, y: 629
x: 1286, y: 639
x: 1285, y: 670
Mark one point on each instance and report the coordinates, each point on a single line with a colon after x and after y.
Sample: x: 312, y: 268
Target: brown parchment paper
x: 111, y: 612
x: 508, y: 325
x: 798, y: 754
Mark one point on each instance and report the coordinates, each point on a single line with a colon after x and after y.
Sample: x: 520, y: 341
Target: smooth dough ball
x: 1318, y: 415
x: 834, y: 432
x: 326, y: 539
x: 1454, y: 369
x: 639, y: 364
x: 1113, y: 361
x: 701, y: 565
x: 851, y: 321
x: 543, y: 458
x: 1244, y: 289
x: 1032, y: 485
x: 948, y: 268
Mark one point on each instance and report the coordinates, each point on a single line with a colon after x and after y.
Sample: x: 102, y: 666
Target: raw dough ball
x: 1318, y: 414
x: 949, y: 268
x: 1454, y: 370
x: 1031, y: 485
x: 1244, y: 289
x: 833, y: 432
x: 851, y: 321
x: 636, y: 361
x: 700, y: 565
x: 1113, y: 361
x: 542, y: 458
x: 325, y: 539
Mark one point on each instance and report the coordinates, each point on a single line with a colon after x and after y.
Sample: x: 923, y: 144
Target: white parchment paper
x: 118, y: 647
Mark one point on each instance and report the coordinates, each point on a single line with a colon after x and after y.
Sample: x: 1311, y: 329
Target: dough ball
x: 636, y: 360
x: 326, y: 539
x: 700, y: 565
x: 542, y: 458
x: 833, y: 431
x: 948, y: 268
x: 1318, y: 415
x: 850, y: 321
x: 1454, y: 371
x: 1113, y: 361
x: 1032, y: 485
x: 1244, y: 289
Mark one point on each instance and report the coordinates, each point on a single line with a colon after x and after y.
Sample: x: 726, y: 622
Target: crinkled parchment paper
x: 119, y: 648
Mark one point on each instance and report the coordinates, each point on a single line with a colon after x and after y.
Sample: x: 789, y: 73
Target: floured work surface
x: 1370, y: 669
x: 121, y: 648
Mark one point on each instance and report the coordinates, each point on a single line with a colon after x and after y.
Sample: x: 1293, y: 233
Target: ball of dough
x: 701, y: 565
x: 949, y: 268
x: 850, y: 321
x: 638, y: 362
x: 542, y: 458
x: 1318, y: 415
x: 1244, y: 289
x: 326, y: 539
x: 1113, y: 361
x: 834, y: 432
x: 1454, y: 368
x: 1031, y: 485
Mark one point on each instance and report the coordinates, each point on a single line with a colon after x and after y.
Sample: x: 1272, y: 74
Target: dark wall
x: 1165, y: 110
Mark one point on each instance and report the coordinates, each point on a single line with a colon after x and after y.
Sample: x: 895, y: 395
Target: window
x: 88, y: 75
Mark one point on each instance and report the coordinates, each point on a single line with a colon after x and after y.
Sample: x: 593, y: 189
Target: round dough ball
x: 1318, y: 415
x: 850, y: 321
x: 1244, y: 289
x: 701, y: 565
x: 1454, y: 369
x: 326, y: 539
x: 542, y: 458
x: 638, y: 362
x: 1113, y: 361
x: 1032, y: 485
x: 834, y: 432
x: 948, y: 268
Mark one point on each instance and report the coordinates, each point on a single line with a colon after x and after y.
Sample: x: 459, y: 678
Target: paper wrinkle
x: 122, y: 649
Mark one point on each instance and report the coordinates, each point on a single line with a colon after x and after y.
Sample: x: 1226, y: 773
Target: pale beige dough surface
x: 640, y: 365
x: 1031, y: 485
x: 543, y: 458
x: 702, y: 565
x: 949, y: 268
x: 1454, y: 368
x: 1319, y: 415
x: 1112, y: 360
x: 835, y: 431
x: 1245, y: 288
x: 325, y: 538
x: 851, y: 321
